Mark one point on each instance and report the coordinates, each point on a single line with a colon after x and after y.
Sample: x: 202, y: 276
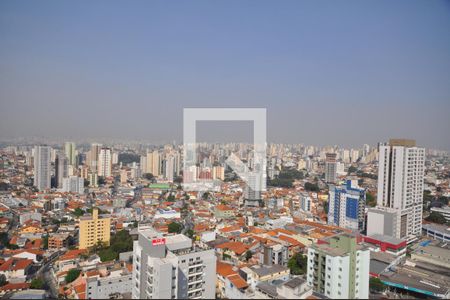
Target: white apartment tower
x: 104, y: 162
x: 42, y: 168
x: 171, y: 267
x: 400, y: 183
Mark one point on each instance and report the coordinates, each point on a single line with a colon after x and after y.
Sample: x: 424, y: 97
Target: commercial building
x: 42, y: 168
x: 400, y: 184
x: 338, y: 267
x: 385, y: 221
x: 171, y: 267
x: 346, y: 206
x: 94, y: 229
x: 445, y: 211
x: 384, y: 243
x: 437, y: 232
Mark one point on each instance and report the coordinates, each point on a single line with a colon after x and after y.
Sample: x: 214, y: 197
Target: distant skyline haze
x: 329, y: 73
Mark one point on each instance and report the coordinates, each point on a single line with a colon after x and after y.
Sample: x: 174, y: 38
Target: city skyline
x: 343, y: 74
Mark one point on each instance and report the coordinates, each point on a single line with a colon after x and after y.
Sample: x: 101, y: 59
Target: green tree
x: 352, y: 169
x: 37, y: 283
x: 175, y: 227
x: 311, y: 187
x: 248, y: 255
x: 108, y: 255
x: 375, y: 284
x: 148, y: 176
x: 370, y: 200
x: 325, y: 207
x: 45, y: 242
x: 101, y: 180
x: 436, y: 217
x: 2, y: 279
x: 190, y: 233
x: 72, y: 275
x: 298, y: 264
x: 78, y: 212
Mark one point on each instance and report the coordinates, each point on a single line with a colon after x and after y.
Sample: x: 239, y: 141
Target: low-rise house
x: 16, y: 269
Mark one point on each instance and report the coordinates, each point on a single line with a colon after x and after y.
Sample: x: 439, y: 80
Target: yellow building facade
x: 94, y: 229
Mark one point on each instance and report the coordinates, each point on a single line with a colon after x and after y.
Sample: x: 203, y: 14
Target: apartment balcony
x: 194, y: 263
x: 195, y: 271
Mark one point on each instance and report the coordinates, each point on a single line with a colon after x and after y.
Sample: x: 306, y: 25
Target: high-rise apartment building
x: 169, y: 167
x: 154, y: 163
x: 338, y: 267
x: 104, y: 162
x: 61, y: 169
x: 94, y: 229
x: 171, y: 267
x: 92, y: 157
x: 70, y: 152
x: 346, y: 206
x: 218, y: 173
x: 42, y: 167
x: 400, y: 184
x: 330, y: 168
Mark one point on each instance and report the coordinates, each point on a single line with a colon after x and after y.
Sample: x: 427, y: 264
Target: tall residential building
x: 42, y: 167
x: 338, y: 267
x: 61, y: 169
x: 346, y: 206
x: 154, y: 163
x: 218, y: 173
x: 252, y: 197
x: 171, y: 267
x: 169, y: 167
x: 104, y: 162
x: 330, y: 168
x: 94, y: 229
x: 305, y: 202
x: 92, y: 157
x: 70, y: 151
x: 143, y: 164
x: 73, y: 184
x: 400, y: 184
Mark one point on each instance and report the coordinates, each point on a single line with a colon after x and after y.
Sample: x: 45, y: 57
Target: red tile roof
x: 15, y: 286
x: 14, y: 264
x: 236, y: 247
x: 237, y: 281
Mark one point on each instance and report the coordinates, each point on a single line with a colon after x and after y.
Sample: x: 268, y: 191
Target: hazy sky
x: 328, y: 72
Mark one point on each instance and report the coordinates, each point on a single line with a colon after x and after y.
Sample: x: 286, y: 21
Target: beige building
x: 94, y: 229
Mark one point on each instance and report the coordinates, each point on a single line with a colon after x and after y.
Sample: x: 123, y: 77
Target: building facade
x: 346, y: 206
x: 42, y: 167
x: 73, y: 184
x: 400, y: 183
x: 171, y: 267
x: 330, y: 168
x: 104, y: 162
x: 338, y: 268
x: 94, y: 229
